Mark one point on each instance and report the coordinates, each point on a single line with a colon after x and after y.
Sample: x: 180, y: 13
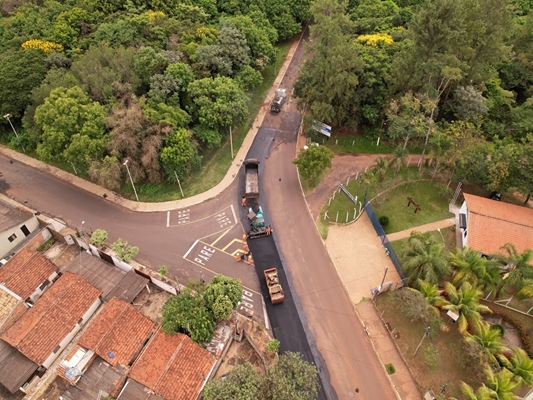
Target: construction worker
x: 238, y: 257
x: 244, y: 237
x: 250, y: 260
x: 245, y: 248
x: 268, y: 230
x: 243, y: 201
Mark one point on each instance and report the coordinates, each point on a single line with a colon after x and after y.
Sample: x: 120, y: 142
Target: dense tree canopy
x: 156, y: 68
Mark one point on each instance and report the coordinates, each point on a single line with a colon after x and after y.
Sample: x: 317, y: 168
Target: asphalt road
x: 193, y: 243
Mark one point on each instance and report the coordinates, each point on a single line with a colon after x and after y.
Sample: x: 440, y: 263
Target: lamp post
x: 131, y: 179
x: 12, y: 127
x: 442, y: 236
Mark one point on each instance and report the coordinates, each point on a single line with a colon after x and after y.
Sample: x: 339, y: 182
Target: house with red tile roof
x: 27, y: 274
x: 38, y: 337
x: 172, y: 367
x: 116, y: 335
x: 487, y: 225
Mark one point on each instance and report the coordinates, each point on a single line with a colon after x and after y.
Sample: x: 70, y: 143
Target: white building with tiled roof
x: 487, y: 225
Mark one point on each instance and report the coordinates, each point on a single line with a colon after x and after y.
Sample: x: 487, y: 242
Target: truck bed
x: 252, y: 183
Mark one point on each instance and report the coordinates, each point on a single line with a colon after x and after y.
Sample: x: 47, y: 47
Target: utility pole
x: 426, y: 333
x: 131, y: 179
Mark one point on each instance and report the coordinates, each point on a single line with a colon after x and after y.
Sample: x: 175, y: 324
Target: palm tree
x: 465, y: 302
x: 483, y: 393
x: 520, y: 365
x: 399, y: 158
x: 501, y: 384
x: 517, y: 266
x: 431, y: 293
x: 489, y: 340
x: 425, y: 259
x: 470, y: 266
x: 380, y: 167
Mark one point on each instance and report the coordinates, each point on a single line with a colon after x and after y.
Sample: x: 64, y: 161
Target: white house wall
x: 464, y: 232
x: 6, y: 246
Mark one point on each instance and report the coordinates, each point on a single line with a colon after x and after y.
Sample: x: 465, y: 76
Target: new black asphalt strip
x: 284, y: 318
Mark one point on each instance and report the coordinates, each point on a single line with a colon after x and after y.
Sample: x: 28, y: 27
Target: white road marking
x: 188, y: 251
x: 234, y: 216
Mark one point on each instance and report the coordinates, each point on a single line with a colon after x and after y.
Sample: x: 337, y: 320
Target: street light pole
x: 12, y: 127
x: 131, y: 179
x: 442, y: 236
x: 231, y: 142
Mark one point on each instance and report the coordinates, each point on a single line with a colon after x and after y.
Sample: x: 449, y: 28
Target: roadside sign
x: 322, y: 128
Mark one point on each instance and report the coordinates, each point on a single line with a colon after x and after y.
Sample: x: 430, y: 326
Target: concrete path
x: 444, y: 223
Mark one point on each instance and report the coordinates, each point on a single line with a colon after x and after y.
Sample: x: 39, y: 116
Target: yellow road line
x: 231, y: 243
x: 221, y: 236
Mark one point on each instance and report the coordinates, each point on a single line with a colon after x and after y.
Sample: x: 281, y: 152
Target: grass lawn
x: 438, y: 361
x: 393, y: 204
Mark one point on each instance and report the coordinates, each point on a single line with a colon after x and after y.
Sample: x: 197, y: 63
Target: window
x: 25, y: 230
x: 12, y: 237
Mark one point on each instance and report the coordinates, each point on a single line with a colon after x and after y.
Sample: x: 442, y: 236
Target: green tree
x: 260, y: 37
x: 148, y: 62
x: 520, y: 365
x: 291, y: 378
x: 482, y: 393
x: 517, y: 268
x: 106, y: 73
x: 222, y: 285
x: 248, y: 78
x: 20, y: 72
x: 179, y: 155
x: 241, y: 383
x: 501, y: 384
x: 69, y: 26
x: 221, y: 307
x: 188, y: 314
x: 313, y: 161
x: 106, y: 172
x: 331, y: 100
x: 489, y: 341
x: 210, y: 138
x: 99, y: 237
x: 425, y: 259
x: 431, y: 293
x: 524, y: 170
x: 465, y: 302
x: 69, y: 118
x: 469, y: 266
x: 124, y: 251
x: 218, y: 103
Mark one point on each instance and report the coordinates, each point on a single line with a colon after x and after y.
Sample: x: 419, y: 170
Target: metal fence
x: 384, y: 240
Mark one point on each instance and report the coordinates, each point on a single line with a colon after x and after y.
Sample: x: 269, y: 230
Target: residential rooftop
x: 492, y: 224
x: 43, y: 327
x: 117, y: 333
x: 26, y: 271
x: 174, y: 367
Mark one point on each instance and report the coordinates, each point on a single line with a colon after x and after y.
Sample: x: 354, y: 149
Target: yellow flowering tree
x: 376, y: 39
x: 43, y: 45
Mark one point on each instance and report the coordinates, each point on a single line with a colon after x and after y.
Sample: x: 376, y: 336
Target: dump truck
x: 251, y: 178
x: 279, y: 99
x: 274, y: 288
x: 257, y: 224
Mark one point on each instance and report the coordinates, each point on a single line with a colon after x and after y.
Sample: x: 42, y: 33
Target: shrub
x: 124, y: 251
x: 46, y: 245
x: 163, y: 270
x: 273, y: 346
x: 99, y: 237
x: 390, y: 369
x: 384, y: 221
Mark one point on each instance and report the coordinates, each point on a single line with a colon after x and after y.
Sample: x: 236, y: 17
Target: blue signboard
x: 322, y: 128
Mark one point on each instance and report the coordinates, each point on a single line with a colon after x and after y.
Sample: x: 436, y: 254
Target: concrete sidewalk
x: 444, y: 223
